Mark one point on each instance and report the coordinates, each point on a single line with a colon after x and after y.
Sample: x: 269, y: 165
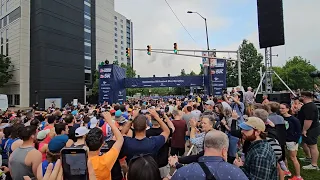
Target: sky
x: 229, y: 22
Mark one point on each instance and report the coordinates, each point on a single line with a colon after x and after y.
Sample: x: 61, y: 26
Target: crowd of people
x: 230, y: 137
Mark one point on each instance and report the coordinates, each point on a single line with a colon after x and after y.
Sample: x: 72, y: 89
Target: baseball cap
x: 112, y: 111
x: 253, y: 123
x: 93, y: 122
x: 57, y: 143
x: 43, y: 134
x: 210, y: 102
x: 81, y: 131
x: 118, y: 113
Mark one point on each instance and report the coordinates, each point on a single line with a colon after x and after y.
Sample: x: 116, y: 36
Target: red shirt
x: 178, y: 137
x: 48, y: 138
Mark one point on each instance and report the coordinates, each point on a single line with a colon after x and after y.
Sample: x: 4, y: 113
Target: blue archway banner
x: 177, y: 81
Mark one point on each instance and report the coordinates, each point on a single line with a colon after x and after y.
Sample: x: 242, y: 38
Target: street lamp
x: 210, y: 76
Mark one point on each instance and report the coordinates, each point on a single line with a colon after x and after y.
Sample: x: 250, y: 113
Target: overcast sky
x: 229, y: 22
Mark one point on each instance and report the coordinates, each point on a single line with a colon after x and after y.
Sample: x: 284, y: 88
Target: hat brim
x: 244, y: 126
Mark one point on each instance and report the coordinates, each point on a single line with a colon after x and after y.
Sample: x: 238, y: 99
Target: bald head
x: 216, y: 140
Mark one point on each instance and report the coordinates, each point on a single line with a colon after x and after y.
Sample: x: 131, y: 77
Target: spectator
x: 213, y: 163
x: 260, y: 161
x: 69, y: 119
x: 178, y: 137
x: 293, y: 136
x: 265, y: 99
x: 25, y: 159
x: 209, y: 106
x: 248, y: 97
x: 140, y: 144
x: 53, y: 154
x: 236, y: 105
x: 14, y: 141
x: 143, y: 167
x: 207, y: 124
x: 102, y: 165
x: 309, y: 120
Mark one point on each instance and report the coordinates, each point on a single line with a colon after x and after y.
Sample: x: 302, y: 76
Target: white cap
x: 43, y: 134
x: 93, y: 122
x: 81, y: 131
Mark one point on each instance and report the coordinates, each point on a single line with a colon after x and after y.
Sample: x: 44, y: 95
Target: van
x: 3, y: 102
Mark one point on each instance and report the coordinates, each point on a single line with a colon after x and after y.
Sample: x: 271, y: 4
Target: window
x: 121, y: 31
x: 121, y: 53
x: 87, y: 23
x: 5, y: 21
x: 17, y: 99
x: 115, y: 40
x: 121, y: 20
x: 115, y: 51
x: 116, y: 46
x: 115, y: 17
x: 122, y: 59
x: 87, y: 9
x: 87, y: 44
x: 121, y: 26
x: 87, y: 30
x: 87, y: 77
x: 115, y: 23
x: 87, y: 3
x: 116, y: 57
x: 7, y: 35
x: 1, y: 49
x: 87, y: 36
x: 10, y: 98
x: 122, y: 48
x: 115, y: 34
x: 2, y: 6
x: 116, y: 29
x: 7, y: 47
x: 121, y: 37
x: 1, y: 37
x: 121, y: 42
x: 7, y: 5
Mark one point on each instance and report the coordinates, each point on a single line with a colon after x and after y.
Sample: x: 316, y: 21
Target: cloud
x: 154, y: 24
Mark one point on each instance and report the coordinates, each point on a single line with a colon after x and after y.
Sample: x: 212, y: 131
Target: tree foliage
x: 295, y: 73
x: 251, y: 61
x: 5, y: 70
x: 116, y: 62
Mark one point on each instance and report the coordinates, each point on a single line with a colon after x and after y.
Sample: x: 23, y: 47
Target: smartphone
x: 74, y: 164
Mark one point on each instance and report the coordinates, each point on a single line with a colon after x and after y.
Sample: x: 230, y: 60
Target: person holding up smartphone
x: 102, y: 165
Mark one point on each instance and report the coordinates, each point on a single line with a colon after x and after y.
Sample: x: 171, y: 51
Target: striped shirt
x: 276, y: 147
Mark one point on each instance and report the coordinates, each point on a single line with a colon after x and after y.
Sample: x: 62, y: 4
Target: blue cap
x: 244, y: 126
x: 74, y: 112
x: 118, y: 113
x: 57, y: 143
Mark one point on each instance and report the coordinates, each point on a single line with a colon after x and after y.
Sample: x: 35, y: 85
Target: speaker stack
x: 270, y: 23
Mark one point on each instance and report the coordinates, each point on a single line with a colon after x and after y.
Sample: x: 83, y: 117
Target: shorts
x: 292, y: 146
x: 312, y: 136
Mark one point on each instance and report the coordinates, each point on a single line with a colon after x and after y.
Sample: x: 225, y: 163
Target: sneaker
x: 310, y: 167
x: 308, y: 160
x: 287, y: 174
x: 296, y: 178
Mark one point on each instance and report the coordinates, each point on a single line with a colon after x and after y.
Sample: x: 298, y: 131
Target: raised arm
x: 163, y: 126
x: 115, y: 130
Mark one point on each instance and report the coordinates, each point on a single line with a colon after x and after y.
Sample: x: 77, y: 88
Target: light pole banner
x: 205, y: 61
x: 219, y: 76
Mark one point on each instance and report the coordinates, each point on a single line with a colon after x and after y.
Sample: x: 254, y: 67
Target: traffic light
x: 175, y: 48
x: 149, y: 50
x: 128, y: 52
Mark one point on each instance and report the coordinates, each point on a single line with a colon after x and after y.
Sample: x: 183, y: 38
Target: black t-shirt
x: 309, y: 111
x: 163, y: 153
x: 72, y: 132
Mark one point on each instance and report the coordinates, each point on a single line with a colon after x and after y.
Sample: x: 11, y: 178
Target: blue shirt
x: 217, y: 166
x: 135, y: 147
x: 239, y: 109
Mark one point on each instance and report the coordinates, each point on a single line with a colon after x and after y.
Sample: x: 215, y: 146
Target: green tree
x: 192, y: 73
x: 183, y: 72
x: 295, y: 73
x: 251, y: 61
x: 232, y: 74
x: 5, y: 70
x: 130, y: 72
x: 116, y: 62
x: 201, y: 70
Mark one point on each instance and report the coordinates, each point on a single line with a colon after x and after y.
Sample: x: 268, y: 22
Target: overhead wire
x: 181, y: 22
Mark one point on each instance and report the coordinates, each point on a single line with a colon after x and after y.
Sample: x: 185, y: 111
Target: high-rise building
x: 54, y: 46
x: 123, y: 38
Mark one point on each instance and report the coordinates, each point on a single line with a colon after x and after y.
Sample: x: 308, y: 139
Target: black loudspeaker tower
x: 270, y: 23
